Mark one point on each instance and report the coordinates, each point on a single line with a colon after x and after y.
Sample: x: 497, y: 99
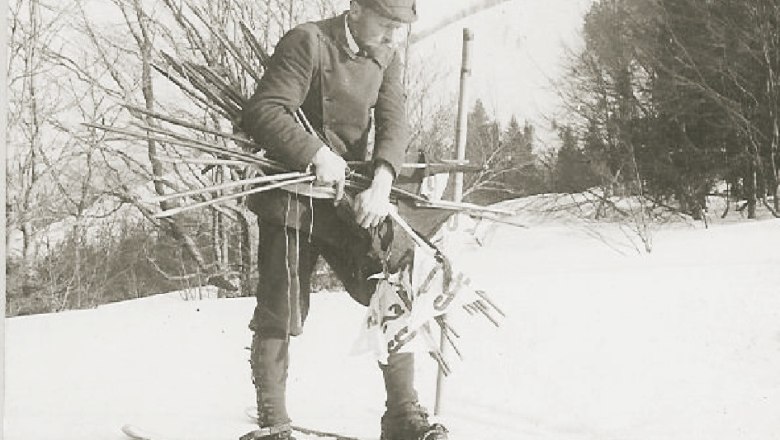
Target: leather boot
x: 399, y: 379
x: 404, y: 418
x: 269, y: 361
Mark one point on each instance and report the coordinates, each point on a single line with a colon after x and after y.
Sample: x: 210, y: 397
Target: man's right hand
x: 330, y: 169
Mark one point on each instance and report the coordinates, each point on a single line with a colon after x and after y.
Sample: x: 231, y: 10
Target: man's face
x: 370, y: 28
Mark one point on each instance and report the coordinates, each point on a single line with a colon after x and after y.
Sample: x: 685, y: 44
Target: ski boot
x: 410, y: 422
x: 279, y: 432
x: 269, y: 360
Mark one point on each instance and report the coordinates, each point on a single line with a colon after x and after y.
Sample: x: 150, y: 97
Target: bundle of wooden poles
x: 218, y: 93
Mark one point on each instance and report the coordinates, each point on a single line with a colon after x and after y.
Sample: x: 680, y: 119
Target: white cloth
x: 350, y: 38
x: 399, y: 315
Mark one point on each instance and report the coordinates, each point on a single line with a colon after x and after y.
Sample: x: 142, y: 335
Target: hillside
x: 599, y: 342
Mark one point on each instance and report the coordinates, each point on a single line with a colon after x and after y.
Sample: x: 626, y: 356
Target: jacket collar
x: 337, y: 30
x: 351, y: 43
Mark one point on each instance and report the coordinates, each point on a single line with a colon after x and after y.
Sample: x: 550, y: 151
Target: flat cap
x: 404, y: 11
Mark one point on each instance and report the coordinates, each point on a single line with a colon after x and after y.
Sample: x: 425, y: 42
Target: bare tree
x: 183, y: 34
x: 34, y: 100
x: 116, y: 76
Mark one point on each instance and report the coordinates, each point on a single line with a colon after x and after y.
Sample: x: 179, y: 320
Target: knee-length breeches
x: 287, y: 258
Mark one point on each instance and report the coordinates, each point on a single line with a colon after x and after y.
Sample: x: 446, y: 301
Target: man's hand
x: 330, y: 169
x: 373, y: 205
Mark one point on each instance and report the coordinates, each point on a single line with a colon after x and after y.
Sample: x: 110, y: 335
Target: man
x: 336, y: 70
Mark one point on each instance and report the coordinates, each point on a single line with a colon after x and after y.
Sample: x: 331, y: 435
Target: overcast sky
x: 518, y: 48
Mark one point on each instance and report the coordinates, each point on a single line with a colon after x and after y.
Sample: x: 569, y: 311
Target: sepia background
x: 635, y: 142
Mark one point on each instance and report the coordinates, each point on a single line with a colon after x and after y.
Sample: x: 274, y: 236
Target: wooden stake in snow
x: 460, y: 143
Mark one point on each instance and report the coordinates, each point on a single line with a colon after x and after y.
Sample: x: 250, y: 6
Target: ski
x: 137, y: 433
x: 251, y: 412
x: 322, y: 434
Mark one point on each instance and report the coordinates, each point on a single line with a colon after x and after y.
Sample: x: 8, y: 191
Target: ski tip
x: 135, y: 433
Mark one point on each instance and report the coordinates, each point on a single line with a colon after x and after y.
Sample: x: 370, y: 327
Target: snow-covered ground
x: 600, y: 342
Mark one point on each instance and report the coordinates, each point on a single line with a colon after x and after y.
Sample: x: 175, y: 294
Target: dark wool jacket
x: 314, y: 68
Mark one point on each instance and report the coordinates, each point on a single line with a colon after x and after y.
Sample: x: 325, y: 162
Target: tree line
x: 668, y: 100
x: 81, y: 201
x: 674, y: 100
x: 80, y: 225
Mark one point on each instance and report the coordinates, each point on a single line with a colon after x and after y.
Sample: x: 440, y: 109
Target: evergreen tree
x: 573, y: 172
x: 674, y: 96
x: 508, y: 156
x: 524, y: 175
x: 484, y: 147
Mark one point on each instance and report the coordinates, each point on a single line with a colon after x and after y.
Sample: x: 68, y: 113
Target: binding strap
x: 258, y: 434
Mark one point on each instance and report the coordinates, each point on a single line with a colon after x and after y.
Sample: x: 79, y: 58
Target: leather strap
x: 271, y: 430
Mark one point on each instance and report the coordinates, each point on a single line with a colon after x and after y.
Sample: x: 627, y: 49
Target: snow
x: 600, y: 342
